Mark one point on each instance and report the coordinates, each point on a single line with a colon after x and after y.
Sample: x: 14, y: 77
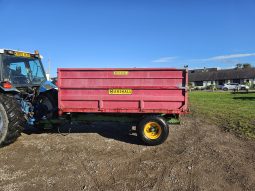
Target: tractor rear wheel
x: 12, y: 119
x: 153, y: 130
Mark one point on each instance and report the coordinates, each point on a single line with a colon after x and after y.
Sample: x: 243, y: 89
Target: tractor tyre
x: 153, y: 130
x: 46, y: 108
x: 12, y: 119
x: 47, y: 105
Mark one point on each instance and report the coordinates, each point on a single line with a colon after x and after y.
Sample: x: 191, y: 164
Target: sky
x: 131, y: 33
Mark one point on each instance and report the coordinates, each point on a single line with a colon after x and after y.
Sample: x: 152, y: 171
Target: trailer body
x: 122, y: 90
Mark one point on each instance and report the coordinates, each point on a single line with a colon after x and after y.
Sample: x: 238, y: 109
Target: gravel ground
x: 103, y: 156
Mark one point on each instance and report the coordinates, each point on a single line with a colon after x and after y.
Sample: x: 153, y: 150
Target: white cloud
x: 229, y: 56
x: 164, y: 59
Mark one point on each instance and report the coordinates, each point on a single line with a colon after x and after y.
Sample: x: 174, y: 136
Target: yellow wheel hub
x: 152, y: 130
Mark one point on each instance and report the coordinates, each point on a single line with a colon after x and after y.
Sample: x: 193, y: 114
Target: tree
x: 239, y: 65
x: 247, y: 65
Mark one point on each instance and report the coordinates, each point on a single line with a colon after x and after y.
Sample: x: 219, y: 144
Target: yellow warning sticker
x: 22, y: 54
x: 120, y: 73
x: 120, y: 91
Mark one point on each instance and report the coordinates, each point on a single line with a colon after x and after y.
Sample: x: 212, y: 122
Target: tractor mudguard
x: 46, y: 86
x: 9, y: 90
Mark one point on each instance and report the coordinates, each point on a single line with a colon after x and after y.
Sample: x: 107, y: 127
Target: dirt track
x: 101, y: 156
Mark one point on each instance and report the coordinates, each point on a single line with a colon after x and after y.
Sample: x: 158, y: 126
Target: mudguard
x: 46, y: 86
x: 9, y: 89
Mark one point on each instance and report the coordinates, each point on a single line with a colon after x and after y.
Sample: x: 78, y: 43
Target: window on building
x: 236, y: 81
x: 199, y: 83
x: 221, y: 82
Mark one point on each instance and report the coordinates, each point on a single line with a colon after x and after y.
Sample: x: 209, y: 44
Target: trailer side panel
x: 118, y: 90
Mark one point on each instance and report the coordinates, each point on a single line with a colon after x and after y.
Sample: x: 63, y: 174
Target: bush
x: 211, y: 87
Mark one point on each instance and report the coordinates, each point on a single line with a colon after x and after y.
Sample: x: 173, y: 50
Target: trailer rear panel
x: 118, y: 90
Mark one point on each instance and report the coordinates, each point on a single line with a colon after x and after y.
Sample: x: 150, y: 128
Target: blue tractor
x: 26, y: 97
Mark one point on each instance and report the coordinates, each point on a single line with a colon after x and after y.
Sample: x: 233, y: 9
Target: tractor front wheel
x: 47, y: 105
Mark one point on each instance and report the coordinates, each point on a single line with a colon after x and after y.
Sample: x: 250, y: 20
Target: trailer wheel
x: 153, y: 130
x: 12, y: 120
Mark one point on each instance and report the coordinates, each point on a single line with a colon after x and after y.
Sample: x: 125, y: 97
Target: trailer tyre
x: 153, y: 130
x: 12, y: 120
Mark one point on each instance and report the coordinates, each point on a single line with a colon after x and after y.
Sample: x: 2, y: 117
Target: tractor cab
x: 21, y: 69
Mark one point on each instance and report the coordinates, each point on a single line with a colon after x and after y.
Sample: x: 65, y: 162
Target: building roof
x: 228, y: 74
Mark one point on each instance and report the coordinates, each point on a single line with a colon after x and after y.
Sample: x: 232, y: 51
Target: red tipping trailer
x: 149, y: 92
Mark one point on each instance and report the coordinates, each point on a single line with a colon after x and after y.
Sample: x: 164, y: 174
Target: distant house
x: 214, y: 76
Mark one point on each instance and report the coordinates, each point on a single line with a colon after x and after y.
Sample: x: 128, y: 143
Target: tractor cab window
x: 37, y: 73
x: 22, y: 71
x: 16, y: 73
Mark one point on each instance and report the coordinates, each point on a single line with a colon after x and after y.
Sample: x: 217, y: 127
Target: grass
x: 235, y: 112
